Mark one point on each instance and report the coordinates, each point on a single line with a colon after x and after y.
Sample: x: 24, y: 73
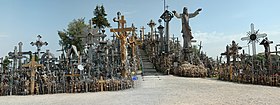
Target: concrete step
x: 148, y: 67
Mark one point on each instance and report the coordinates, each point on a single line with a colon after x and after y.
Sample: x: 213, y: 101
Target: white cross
x: 252, y: 37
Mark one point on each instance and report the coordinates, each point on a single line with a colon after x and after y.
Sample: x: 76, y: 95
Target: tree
x: 6, y: 63
x: 72, y: 36
x: 260, y: 57
x: 100, y: 19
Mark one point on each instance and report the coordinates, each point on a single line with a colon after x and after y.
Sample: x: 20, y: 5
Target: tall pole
x: 276, y: 50
x: 160, y: 29
x: 164, y: 5
x: 2, y: 70
x: 20, y: 54
x: 156, y: 42
x: 142, y: 33
x: 177, y: 49
x: 249, y: 49
x: 253, y: 42
x: 167, y: 16
x: 167, y: 36
x: 12, y: 71
x: 151, y: 24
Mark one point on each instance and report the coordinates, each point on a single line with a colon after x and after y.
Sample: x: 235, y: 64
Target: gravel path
x: 163, y: 90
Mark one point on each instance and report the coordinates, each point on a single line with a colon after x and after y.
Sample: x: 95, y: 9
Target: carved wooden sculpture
x: 122, y: 36
x: 123, y: 50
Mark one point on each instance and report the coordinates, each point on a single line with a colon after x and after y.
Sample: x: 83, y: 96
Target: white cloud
x: 214, y: 43
x: 3, y: 36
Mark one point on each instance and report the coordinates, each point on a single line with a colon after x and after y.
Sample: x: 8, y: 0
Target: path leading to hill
x: 148, y: 67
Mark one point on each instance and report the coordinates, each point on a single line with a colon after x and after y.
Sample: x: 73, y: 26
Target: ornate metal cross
x: 252, y: 37
x: 39, y: 44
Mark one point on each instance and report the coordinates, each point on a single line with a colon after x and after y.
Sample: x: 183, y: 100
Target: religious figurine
x: 123, y: 40
x: 186, y: 29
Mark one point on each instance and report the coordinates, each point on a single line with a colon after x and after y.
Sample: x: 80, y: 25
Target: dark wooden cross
x: 265, y: 42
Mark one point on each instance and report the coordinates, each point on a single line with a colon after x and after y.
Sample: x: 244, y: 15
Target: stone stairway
x: 148, y: 67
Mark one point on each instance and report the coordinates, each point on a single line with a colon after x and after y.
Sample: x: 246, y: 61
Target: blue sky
x: 219, y: 22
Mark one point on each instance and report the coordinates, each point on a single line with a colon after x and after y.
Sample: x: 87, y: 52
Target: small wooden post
x: 101, y: 83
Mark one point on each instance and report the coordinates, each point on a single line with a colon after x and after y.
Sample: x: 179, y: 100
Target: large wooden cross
x: 122, y: 29
x: 33, y: 65
x: 123, y: 38
x: 72, y: 75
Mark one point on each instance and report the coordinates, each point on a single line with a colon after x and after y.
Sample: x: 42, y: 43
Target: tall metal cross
x: 167, y: 16
x: 39, y: 44
x: 252, y: 37
x: 151, y: 24
x: 20, y: 54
